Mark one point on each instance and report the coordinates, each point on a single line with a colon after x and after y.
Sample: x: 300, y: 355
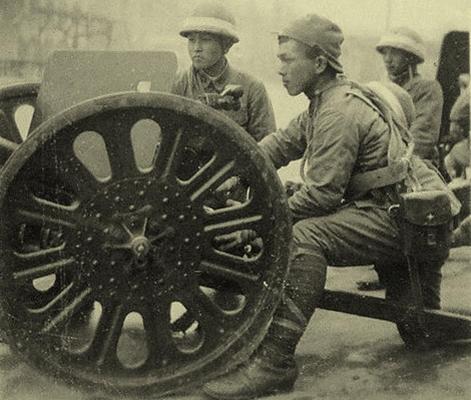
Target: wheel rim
x: 138, y: 241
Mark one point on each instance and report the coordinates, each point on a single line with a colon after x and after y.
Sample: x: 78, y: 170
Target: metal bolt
x: 106, y: 230
x: 164, y: 216
x: 198, y: 234
x: 113, y: 262
x: 95, y: 262
x: 89, y: 239
x: 179, y: 263
x: 197, y: 247
x: 186, y: 240
x: 112, y: 280
x: 177, y: 194
x: 165, y: 187
x: 142, y: 193
x: 165, y: 200
x: 194, y: 218
x: 132, y: 207
x: 100, y: 287
x: 140, y: 248
x: 149, y: 182
x: 78, y: 245
x: 181, y: 217
x: 117, y: 198
x: 142, y: 298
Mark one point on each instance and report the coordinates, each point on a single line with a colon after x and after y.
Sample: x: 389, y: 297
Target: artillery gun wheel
x: 131, y: 244
x: 13, y: 97
x: 15, y: 115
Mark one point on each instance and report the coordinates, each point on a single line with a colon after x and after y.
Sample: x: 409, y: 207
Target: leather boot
x: 258, y: 377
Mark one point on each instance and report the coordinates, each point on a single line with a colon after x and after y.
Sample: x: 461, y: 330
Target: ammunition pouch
x: 425, y: 220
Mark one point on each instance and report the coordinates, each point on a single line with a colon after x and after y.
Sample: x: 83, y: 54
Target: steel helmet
x: 212, y: 17
x: 404, y: 39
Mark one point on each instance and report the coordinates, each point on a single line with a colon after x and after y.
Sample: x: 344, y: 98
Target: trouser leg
x: 353, y: 236
x: 302, y: 293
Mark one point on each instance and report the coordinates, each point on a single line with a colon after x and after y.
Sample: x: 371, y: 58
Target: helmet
x: 212, y: 17
x: 404, y: 39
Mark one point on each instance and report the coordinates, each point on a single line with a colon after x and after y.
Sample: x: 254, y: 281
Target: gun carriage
x: 110, y: 271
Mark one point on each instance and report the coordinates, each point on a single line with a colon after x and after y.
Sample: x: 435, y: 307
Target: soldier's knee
x: 307, y: 235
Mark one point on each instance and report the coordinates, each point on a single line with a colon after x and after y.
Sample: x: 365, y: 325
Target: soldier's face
x: 298, y: 73
x: 395, y: 60
x: 204, y: 49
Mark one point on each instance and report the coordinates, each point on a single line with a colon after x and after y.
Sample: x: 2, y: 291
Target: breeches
x: 363, y: 236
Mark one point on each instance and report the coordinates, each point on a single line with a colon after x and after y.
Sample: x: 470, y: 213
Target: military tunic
x: 339, y: 136
x: 427, y: 96
x: 255, y: 115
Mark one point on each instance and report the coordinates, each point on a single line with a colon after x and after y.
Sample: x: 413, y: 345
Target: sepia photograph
x: 235, y: 199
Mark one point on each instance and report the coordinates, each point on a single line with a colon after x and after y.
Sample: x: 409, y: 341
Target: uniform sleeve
x: 425, y: 130
x: 332, y: 156
x: 179, y: 84
x: 288, y: 144
x: 261, y: 118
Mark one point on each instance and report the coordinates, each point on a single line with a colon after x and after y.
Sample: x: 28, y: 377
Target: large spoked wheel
x: 17, y: 103
x: 128, y: 189
x: 13, y: 99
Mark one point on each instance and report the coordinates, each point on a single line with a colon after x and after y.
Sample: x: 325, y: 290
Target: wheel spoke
x: 45, y: 212
x: 209, y: 177
x: 158, y: 334
x: 40, y: 263
x: 254, y: 222
x: 71, y: 300
x: 170, y: 152
x: 234, y: 268
x: 117, y: 136
x: 208, y: 314
x: 79, y: 178
x: 103, y: 349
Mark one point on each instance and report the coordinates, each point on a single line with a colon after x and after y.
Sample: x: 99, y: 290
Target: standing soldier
x: 402, y: 50
x: 211, y: 32
x: 355, y: 159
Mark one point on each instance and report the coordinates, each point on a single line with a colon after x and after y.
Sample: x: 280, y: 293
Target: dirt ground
x: 340, y: 357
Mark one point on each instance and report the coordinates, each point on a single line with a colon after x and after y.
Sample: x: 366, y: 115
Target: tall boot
x: 272, y: 368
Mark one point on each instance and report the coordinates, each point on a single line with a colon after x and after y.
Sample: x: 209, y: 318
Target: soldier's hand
x: 235, y: 91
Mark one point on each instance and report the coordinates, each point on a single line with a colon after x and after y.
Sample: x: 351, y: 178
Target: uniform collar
x: 339, y: 80
x: 213, y: 82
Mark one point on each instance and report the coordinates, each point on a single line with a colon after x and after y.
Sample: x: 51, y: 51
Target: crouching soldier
x: 355, y: 160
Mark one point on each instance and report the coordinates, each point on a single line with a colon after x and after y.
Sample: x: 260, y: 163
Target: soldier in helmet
x: 210, y: 31
x: 356, y: 157
x: 402, y: 50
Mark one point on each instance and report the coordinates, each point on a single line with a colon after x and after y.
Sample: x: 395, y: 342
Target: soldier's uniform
x: 256, y: 112
x: 426, y: 94
x: 457, y: 160
x: 340, y: 213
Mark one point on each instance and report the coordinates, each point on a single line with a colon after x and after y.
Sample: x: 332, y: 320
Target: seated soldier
x: 347, y: 139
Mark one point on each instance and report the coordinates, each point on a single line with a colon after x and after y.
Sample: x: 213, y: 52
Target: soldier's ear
x: 320, y: 64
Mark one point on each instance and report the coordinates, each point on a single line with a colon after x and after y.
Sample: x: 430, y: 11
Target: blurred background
x: 31, y: 29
